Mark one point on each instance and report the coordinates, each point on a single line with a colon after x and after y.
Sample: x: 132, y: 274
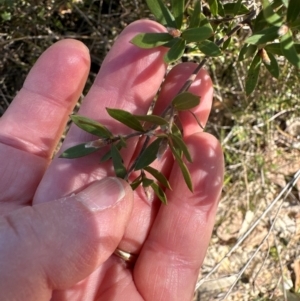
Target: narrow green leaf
x: 117, y: 160
x: 252, y: 75
x: 78, y: 151
x: 229, y: 9
x: 175, y: 52
x: 161, y: 13
x: 184, y: 170
x: 158, y: 176
x: 176, y: 130
x: 270, y: 16
x: 285, y: 2
x: 264, y: 36
x: 177, y: 10
x: 136, y: 182
x: 247, y: 51
x: 154, y: 119
x: 259, y: 22
x: 148, y: 155
x: 272, y: 67
x: 197, y: 34
x: 226, y: 43
x: 275, y: 48
x: 288, y: 49
x: 293, y: 11
x: 159, y: 193
x: 178, y: 143
x: 151, y: 40
x: 147, y: 182
x: 209, y: 48
x: 185, y: 101
x: 221, y: 10
x: 196, y: 16
x: 126, y: 118
x: 237, y: 7
x: 213, y: 4
x: 91, y: 126
x: 295, y: 25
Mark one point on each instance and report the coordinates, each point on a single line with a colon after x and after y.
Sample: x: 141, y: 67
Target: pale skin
x: 53, y: 245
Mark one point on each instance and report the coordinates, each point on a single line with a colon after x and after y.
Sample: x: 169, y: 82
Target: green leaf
x: 247, y: 51
x: 176, y: 131
x: 158, y: 176
x: 197, y: 34
x: 136, y: 182
x: 161, y: 13
x: 221, y: 11
x: 213, y: 4
x: 295, y: 25
x: 275, y: 48
x: 185, y: 101
x: 252, y: 75
x: 288, y: 49
x: 151, y: 40
x: 148, y: 155
x: 229, y: 9
x: 154, y: 119
x: 126, y: 118
x: 184, y: 170
x: 270, y: 16
x: 293, y: 11
x: 117, y: 160
x: 226, y: 43
x: 196, y: 16
x: 179, y: 144
x: 209, y: 48
x: 272, y: 67
x: 119, y: 145
x: 147, y: 182
x: 175, y: 52
x: 78, y: 151
x: 264, y: 36
x: 237, y: 7
x: 178, y: 9
x: 91, y: 126
x: 159, y: 193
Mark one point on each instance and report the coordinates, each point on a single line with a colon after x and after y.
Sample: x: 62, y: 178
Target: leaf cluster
x: 163, y: 131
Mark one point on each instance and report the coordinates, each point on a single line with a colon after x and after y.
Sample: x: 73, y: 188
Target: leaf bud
x: 174, y: 32
x: 283, y: 30
x: 163, y: 146
x: 264, y: 56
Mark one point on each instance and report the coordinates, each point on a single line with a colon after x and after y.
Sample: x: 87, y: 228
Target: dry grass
x: 259, y: 134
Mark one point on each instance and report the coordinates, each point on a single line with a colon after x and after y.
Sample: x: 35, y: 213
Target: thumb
x: 54, y: 245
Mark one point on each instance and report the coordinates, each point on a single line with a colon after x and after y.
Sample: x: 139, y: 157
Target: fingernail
x: 102, y: 194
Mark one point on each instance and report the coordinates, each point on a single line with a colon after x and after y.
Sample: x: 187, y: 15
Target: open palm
x: 56, y: 250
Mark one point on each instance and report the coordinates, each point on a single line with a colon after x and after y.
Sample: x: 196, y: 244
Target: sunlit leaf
x: 288, y: 49
x: 295, y: 25
x: 126, y: 118
x: 247, y: 51
x: 272, y: 67
x: 196, y: 16
x: 176, y: 51
x: 158, y: 176
x: 91, y: 126
x: 293, y: 11
x: 229, y: 9
x: 117, y: 160
x: 178, y: 143
x: 197, y: 34
x: 275, y: 48
x: 252, y: 75
x: 161, y: 13
x: 151, y: 40
x: 148, y: 155
x: 185, y: 101
x: 177, y: 10
x: 264, y: 36
x: 184, y: 170
x: 213, y: 4
x: 221, y: 10
x: 159, y: 193
x: 270, y: 16
x: 154, y: 119
x: 78, y: 151
x: 209, y: 48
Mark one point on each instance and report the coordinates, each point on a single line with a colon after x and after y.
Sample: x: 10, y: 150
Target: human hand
x: 57, y: 243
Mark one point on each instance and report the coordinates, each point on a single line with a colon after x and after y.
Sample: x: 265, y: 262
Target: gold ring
x: 126, y: 256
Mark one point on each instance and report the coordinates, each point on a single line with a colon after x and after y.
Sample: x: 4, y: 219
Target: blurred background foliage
x: 259, y: 133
